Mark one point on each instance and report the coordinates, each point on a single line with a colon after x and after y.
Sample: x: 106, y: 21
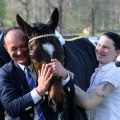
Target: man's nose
x: 100, y: 48
x: 19, y: 51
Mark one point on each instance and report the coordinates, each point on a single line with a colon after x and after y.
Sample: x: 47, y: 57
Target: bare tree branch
x: 50, y: 4
x: 26, y: 4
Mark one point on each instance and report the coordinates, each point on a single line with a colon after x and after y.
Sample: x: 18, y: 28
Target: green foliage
x: 2, y: 9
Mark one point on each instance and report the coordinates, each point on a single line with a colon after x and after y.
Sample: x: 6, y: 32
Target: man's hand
x: 44, y: 77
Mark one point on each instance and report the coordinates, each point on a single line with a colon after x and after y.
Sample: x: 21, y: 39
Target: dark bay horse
x: 42, y: 47
x: 77, y: 56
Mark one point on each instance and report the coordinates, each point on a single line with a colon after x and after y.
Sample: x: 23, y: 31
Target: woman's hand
x: 58, y: 69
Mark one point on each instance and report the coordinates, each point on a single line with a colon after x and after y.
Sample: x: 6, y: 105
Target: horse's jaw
x: 56, y: 96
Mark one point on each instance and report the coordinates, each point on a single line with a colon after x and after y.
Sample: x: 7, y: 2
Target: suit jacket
x: 2, y: 116
x: 15, y: 94
x: 4, y: 58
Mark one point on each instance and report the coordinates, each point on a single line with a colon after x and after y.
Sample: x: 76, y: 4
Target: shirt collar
x: 106, y: 67
x: 31, y: 68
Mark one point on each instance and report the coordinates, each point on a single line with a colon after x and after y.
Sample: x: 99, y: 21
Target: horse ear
x: 53, y: 22
x: 26, y: 28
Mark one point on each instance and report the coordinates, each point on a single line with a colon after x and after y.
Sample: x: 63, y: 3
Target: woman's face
x: 105, y: 50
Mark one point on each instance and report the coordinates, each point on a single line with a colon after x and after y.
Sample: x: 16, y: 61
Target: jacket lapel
x: 22, y: 79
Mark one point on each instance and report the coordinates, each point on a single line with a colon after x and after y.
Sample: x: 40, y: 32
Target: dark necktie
x: 31, y: 84
x: 30, y: 80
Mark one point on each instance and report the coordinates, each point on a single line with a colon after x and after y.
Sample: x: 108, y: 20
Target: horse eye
x: 32, y: 57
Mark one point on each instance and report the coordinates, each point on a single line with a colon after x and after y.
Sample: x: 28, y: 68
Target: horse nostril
x: 57, y: 106
x: 52, y: 102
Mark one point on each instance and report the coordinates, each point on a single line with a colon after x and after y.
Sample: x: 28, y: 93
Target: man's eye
x: 23, y: 47
x: 14, y: 49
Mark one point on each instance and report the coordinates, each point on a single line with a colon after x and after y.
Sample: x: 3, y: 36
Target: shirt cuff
x: 70, y: 74
x: 64, y: 82
x: 35, y: 96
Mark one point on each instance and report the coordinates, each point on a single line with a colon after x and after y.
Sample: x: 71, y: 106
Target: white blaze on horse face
x: 49, y: 48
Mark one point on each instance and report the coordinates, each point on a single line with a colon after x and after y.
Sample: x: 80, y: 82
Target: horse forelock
x: 43, y: 28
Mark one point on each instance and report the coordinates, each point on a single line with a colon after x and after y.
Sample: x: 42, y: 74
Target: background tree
x: 2, y: 9
x: 26, y: 4
x: 76, y: 16
x: 60, y: 8
x: 2, y: 15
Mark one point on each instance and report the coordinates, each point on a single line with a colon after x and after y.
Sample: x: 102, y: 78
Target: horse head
x: 43, y: 46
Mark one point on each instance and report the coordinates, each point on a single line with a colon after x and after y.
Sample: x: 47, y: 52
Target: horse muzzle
x: 56, y: 96
x: 57, y: 106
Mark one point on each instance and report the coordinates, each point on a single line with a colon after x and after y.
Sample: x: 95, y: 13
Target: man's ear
x: 5, y: 47
x: 118, y: 52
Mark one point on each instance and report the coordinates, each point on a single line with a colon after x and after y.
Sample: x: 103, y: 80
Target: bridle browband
x: 41, y: 36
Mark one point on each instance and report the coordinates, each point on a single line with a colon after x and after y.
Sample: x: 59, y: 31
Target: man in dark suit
x: 16, y: 97
x: 4, y: 58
